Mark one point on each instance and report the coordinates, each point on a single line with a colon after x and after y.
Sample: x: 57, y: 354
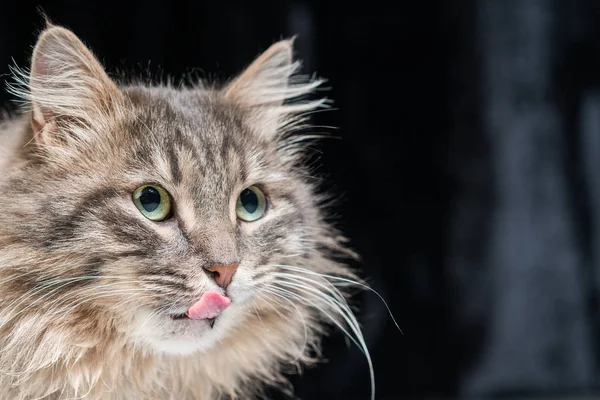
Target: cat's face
x: 158, y: 196
x: 205, y: 158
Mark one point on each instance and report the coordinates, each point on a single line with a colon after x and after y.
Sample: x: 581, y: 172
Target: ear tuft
x: 67, y: 86
x: 47, y: 21
x: 265, y: 81
x: 271, y: 88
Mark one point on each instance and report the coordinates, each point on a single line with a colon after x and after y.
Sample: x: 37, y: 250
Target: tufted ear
x: 68, y: 87
x: 272, y: 91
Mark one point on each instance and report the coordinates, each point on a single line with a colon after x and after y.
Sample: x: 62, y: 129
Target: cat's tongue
x: 210, y: 305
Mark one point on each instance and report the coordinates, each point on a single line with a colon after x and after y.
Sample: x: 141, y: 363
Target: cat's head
x: 178, y: 215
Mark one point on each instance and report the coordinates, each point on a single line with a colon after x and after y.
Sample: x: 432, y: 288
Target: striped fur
x: 87, y: 282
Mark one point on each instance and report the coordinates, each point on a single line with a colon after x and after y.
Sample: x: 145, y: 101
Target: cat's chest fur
x: 114, y: 370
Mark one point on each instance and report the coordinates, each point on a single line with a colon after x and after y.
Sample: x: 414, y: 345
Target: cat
x: 161, y: 242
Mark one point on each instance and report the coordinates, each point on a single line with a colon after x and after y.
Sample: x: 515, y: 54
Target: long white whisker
x: 349, y: 281
x: 349, y: 318
x: 325, y: 291
x: 291, y: 294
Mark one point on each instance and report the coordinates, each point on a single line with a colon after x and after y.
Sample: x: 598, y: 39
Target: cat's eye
x: 153, y: 201
x: 251, y: 204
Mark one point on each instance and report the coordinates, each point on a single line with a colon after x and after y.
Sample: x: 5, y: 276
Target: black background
x: 414, y: 166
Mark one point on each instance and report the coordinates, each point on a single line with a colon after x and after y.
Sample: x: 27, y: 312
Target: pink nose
x: 222, y: 274
x: 210, y: 305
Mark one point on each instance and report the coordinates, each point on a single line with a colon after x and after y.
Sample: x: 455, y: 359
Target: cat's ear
x: 68, y: 87
x: 272, y: 91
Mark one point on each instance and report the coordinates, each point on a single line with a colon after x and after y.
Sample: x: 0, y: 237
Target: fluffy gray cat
x: 160, y: 242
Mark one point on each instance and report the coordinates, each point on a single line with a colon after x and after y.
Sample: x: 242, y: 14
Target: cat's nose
x: 222, y: 273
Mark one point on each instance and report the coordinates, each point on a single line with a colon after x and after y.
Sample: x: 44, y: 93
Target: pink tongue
x: 210, y: 305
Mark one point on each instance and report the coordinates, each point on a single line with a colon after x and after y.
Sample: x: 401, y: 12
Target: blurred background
x: 468, y: 168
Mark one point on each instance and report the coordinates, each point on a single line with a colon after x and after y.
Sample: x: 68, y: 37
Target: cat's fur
x: 86, y: 279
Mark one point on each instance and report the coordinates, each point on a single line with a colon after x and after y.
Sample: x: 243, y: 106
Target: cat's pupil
x: 249, y: 200
x: 150, y: 199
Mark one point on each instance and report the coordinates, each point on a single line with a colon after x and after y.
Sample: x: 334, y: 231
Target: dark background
x: 469, y: 166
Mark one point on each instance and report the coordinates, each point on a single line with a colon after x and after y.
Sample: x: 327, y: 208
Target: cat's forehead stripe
x: 174, y: 161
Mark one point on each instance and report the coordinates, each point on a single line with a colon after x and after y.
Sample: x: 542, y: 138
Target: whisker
x: 98, y: 295
x: 325, y: 290
x: 348, y: 281
x: 349, y: 318
x: 94, y: 289
x: 299, y: 297
x: 29, y: 294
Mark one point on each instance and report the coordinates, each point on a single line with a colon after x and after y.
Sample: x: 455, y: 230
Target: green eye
x: 152, y: 201
x: 251, y: 204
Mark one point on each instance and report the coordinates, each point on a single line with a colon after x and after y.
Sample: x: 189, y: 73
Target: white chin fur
x: 182, y: 337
